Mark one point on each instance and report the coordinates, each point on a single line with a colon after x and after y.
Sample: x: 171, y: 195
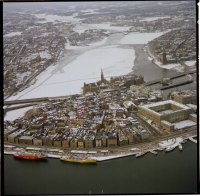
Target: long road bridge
x: 34, y: 100
x: 175, y: 85
x: 171, y: 77
x: 123, y: 32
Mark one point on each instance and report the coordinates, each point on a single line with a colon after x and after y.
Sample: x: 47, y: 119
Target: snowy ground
x: 175, y: 66
x: 12, y: 115
x: 12, y: 34
x: 139, y: 38
x: 171, y: 142
x: 68, y: 47
x: 184, y: 124
x: 190, y: 63
x: 153, y: 18
x: 45, y: 54
x: 51, y: 18
x: 83, y: 27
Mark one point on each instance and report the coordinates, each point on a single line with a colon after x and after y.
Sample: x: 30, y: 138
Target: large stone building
x: 185, y: 96
x: 165, y: 59
x: 165, y: 113
x: 112, y: 141
x: 94, y: 87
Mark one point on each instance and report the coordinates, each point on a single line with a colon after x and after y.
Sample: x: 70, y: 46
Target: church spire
x: 102, y: 77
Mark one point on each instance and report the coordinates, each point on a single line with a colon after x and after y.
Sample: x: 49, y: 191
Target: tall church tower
x: 102, y: 77
x: 164, y: 57
x: 71, y: 105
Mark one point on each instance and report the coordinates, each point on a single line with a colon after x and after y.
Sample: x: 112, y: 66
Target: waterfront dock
x: 112, y: 153
x: 153, y: 152
x: 193, y: 140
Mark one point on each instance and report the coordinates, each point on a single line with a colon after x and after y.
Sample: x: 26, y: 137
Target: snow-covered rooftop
x: 184, y: 124
x: 148, y: 106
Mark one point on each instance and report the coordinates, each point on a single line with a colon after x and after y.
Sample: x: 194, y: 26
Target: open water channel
x: 173, y: 172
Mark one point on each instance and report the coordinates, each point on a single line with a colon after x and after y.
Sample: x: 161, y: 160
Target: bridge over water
x: 171, y: 77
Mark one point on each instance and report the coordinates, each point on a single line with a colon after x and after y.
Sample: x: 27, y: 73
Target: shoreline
x: 154, y: 59
x: 108, y: 157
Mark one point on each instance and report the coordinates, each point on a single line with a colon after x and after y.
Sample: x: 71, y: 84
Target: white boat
x: 154, y: 152
x: 139, y: 154
x: 184, y: 141
x: 169, y: 149
x: 180, y: 147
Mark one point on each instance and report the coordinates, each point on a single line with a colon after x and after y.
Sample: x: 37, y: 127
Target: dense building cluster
x: 106, y: 118
x: 175, y: 46
x: 117, y: 83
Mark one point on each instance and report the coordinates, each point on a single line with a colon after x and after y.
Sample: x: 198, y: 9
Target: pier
x: 193, y: 140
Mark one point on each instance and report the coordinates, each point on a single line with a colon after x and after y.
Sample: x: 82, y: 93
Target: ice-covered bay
x: 12, y: 34
x: 68, y: 79
x: 12, y: 115
x: 139, y: 38
x: 154, y: 18
x: 190, y: 63
x: 107, y: 26
x: 51, y: 18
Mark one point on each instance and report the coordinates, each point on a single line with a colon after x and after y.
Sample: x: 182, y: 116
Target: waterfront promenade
x: 113, y: 153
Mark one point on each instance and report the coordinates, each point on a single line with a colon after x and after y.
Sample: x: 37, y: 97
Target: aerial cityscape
x: 112, y: 85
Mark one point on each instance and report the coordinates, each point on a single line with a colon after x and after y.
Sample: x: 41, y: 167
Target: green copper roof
x: 71, y: 113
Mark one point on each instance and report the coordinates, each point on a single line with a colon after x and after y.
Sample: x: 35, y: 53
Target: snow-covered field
x: 190, y: 63
x: 139, y: 38
x: 12, y: 115
x: 170, y: 66
x: 45, y: 54
x: 184, y: 123
x: 12, y: 34
x: 68, y: 47
x: 51, y: 18
x: 83, y: 27
x: 154, y: 18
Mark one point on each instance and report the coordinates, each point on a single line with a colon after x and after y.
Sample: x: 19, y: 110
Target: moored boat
x: 169, y: 149
x: 78, y: 159
x: 30, y: 155
x: 154, y: 152
x: 180, y: 147
x: 139, y: 154
x: 184, y: 141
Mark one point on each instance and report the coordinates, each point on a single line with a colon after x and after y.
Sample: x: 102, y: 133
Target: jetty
x: 193, y: 140
x: 153, y: 152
